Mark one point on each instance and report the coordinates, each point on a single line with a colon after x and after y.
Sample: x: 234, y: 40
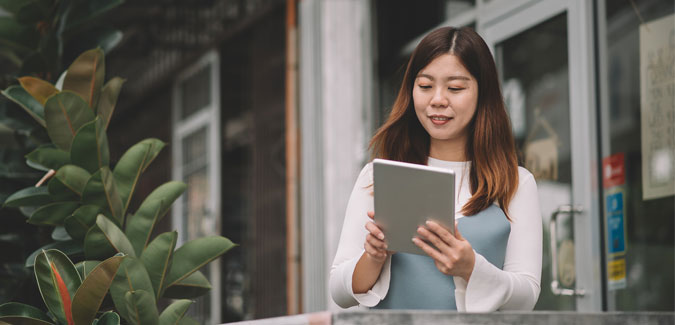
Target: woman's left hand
x: 453, y: 255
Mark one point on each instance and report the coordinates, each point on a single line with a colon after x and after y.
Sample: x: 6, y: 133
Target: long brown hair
x: 490, y: 146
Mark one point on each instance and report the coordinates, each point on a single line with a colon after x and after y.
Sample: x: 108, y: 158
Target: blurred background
x: 267, y: 107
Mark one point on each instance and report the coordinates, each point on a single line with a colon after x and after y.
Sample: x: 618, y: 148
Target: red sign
x: 613, y: 170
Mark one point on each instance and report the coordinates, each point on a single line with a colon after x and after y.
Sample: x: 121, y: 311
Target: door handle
x: 555, y: 285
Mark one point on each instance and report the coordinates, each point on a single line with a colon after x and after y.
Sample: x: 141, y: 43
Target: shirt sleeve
x: 516, y: 287
x: 350, y: 249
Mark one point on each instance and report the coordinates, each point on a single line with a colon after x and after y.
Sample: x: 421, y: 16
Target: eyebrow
x: 448, y: 78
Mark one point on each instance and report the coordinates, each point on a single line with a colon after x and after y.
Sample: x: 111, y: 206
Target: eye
x: 455, y: 89
x: 424, y: 86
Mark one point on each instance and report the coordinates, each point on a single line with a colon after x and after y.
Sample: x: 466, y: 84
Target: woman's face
x: 445, y: 96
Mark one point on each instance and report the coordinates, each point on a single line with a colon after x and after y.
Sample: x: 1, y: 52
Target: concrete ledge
x: 420, y: 317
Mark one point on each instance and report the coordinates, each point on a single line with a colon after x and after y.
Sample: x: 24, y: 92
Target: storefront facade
x: 589, y: 87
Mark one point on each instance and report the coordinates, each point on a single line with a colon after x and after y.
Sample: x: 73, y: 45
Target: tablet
x: 406, y: 196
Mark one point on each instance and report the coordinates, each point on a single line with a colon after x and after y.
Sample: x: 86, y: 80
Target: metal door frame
x: 512, y: 17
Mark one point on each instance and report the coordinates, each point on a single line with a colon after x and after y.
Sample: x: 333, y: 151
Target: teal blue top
x: 415, y: 281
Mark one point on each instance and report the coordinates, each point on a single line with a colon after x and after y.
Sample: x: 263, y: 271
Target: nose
x: 439, y: 100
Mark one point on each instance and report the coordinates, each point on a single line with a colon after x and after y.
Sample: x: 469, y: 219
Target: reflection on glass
x: 648, y: 268
x: 535, y: 78
x: 196, y: 219
x: 196, y: 92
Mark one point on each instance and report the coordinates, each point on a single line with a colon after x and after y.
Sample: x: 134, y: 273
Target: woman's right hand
x: 375, y: 245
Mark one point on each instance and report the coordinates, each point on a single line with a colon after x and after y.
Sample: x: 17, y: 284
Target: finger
x: 441, y: 232
x: 375, y: 230
x: 371, y: 214
x: 376, y: 242
x: 373, y: 251
x: 433, y: 238
x: 458, y: 235
x: 432, y: 252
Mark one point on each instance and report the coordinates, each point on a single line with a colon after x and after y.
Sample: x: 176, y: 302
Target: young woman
x: 449, y: 113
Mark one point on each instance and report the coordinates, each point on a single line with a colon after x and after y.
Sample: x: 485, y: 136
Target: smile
x: 440, y: 118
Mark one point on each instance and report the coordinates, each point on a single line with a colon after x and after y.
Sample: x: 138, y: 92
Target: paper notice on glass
x: 657, y: 107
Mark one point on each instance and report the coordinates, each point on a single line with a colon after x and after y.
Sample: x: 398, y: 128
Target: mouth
x: 439, y: 119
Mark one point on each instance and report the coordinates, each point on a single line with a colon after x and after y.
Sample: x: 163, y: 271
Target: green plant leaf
x: 108, y: 100
x: 132, y: 164
x: 22, y: 98
x: 132, y: 275
x: 105, y: 237
x: 20, y: 314
x: 11, y: 6
x: 30, y: 196
x: 152, y: 210
x: 195, y: 254
x: 53, y: 214
x: 157, y: 259
x: 142, y: 309
x: 34, y: 11
x: 21, y: 38
x: 102, y: 191
x: 65, y: 113
x: 85, y: 76
x: 109, y: 318
x: 49, y: 157
x: 90, y: 147
x: 82, y: 219
x: 38, y: 88
x: 59, y: 234
x: 68, y: 183
x: 85, y: 267
x: 58, y: 281
x: 195, y: 285
x: 89, y: 296
x: 174, y: 312
x: 69, y: 247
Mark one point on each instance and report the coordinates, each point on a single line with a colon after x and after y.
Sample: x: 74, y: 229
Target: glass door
x: 545, y: 64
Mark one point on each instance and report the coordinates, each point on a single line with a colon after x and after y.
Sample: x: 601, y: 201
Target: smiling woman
x: 449, y: 113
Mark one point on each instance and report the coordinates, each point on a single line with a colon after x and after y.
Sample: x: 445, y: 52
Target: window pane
x: 648, y: 269
x: 196, y: 92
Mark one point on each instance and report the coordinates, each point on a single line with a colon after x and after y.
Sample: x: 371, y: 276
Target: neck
x: 449, y: 150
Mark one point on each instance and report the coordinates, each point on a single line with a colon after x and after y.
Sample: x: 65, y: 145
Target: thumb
x: 458, y: 235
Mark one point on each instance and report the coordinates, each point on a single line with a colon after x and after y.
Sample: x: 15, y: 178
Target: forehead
x: 445, y: 66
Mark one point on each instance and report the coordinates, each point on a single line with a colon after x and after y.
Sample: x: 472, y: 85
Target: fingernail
x: 414, y: 240
x: 380, y: 236
x: 385, y: 246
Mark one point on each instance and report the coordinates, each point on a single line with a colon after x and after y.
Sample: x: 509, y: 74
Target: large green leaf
x: 19, y: 37
x: 53, y: 214
x: 108, y: 100
x: 38, y: 88
x: 195, y: 254
x: 59, y: 234
x: 134, y: 162
x: 102, y: 191
x: 109, y: 318
x: 151, y: 211
x: 186, y: 320
x: 19, y: 314
x: 131, y: 276
x: 22, y: 98
x: 58, y: 281
x: 11, y: 6
x: 157, y: 259
x: 89, y: 296
x: 49, y: 157
x: 30, y: 196
x: 68, y: 183
x: 105, y: 237
x: 82, y: 219
x: 65, y: 113
x: 173, y: 314
x: 90, y: 147
x: 85, y: 267
x: 85, y: 76
x: 141, y: 307
x: 195, y: 285
x: 69, y: 247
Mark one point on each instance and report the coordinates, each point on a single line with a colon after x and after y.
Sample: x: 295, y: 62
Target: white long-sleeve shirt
x: 515, y: 287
